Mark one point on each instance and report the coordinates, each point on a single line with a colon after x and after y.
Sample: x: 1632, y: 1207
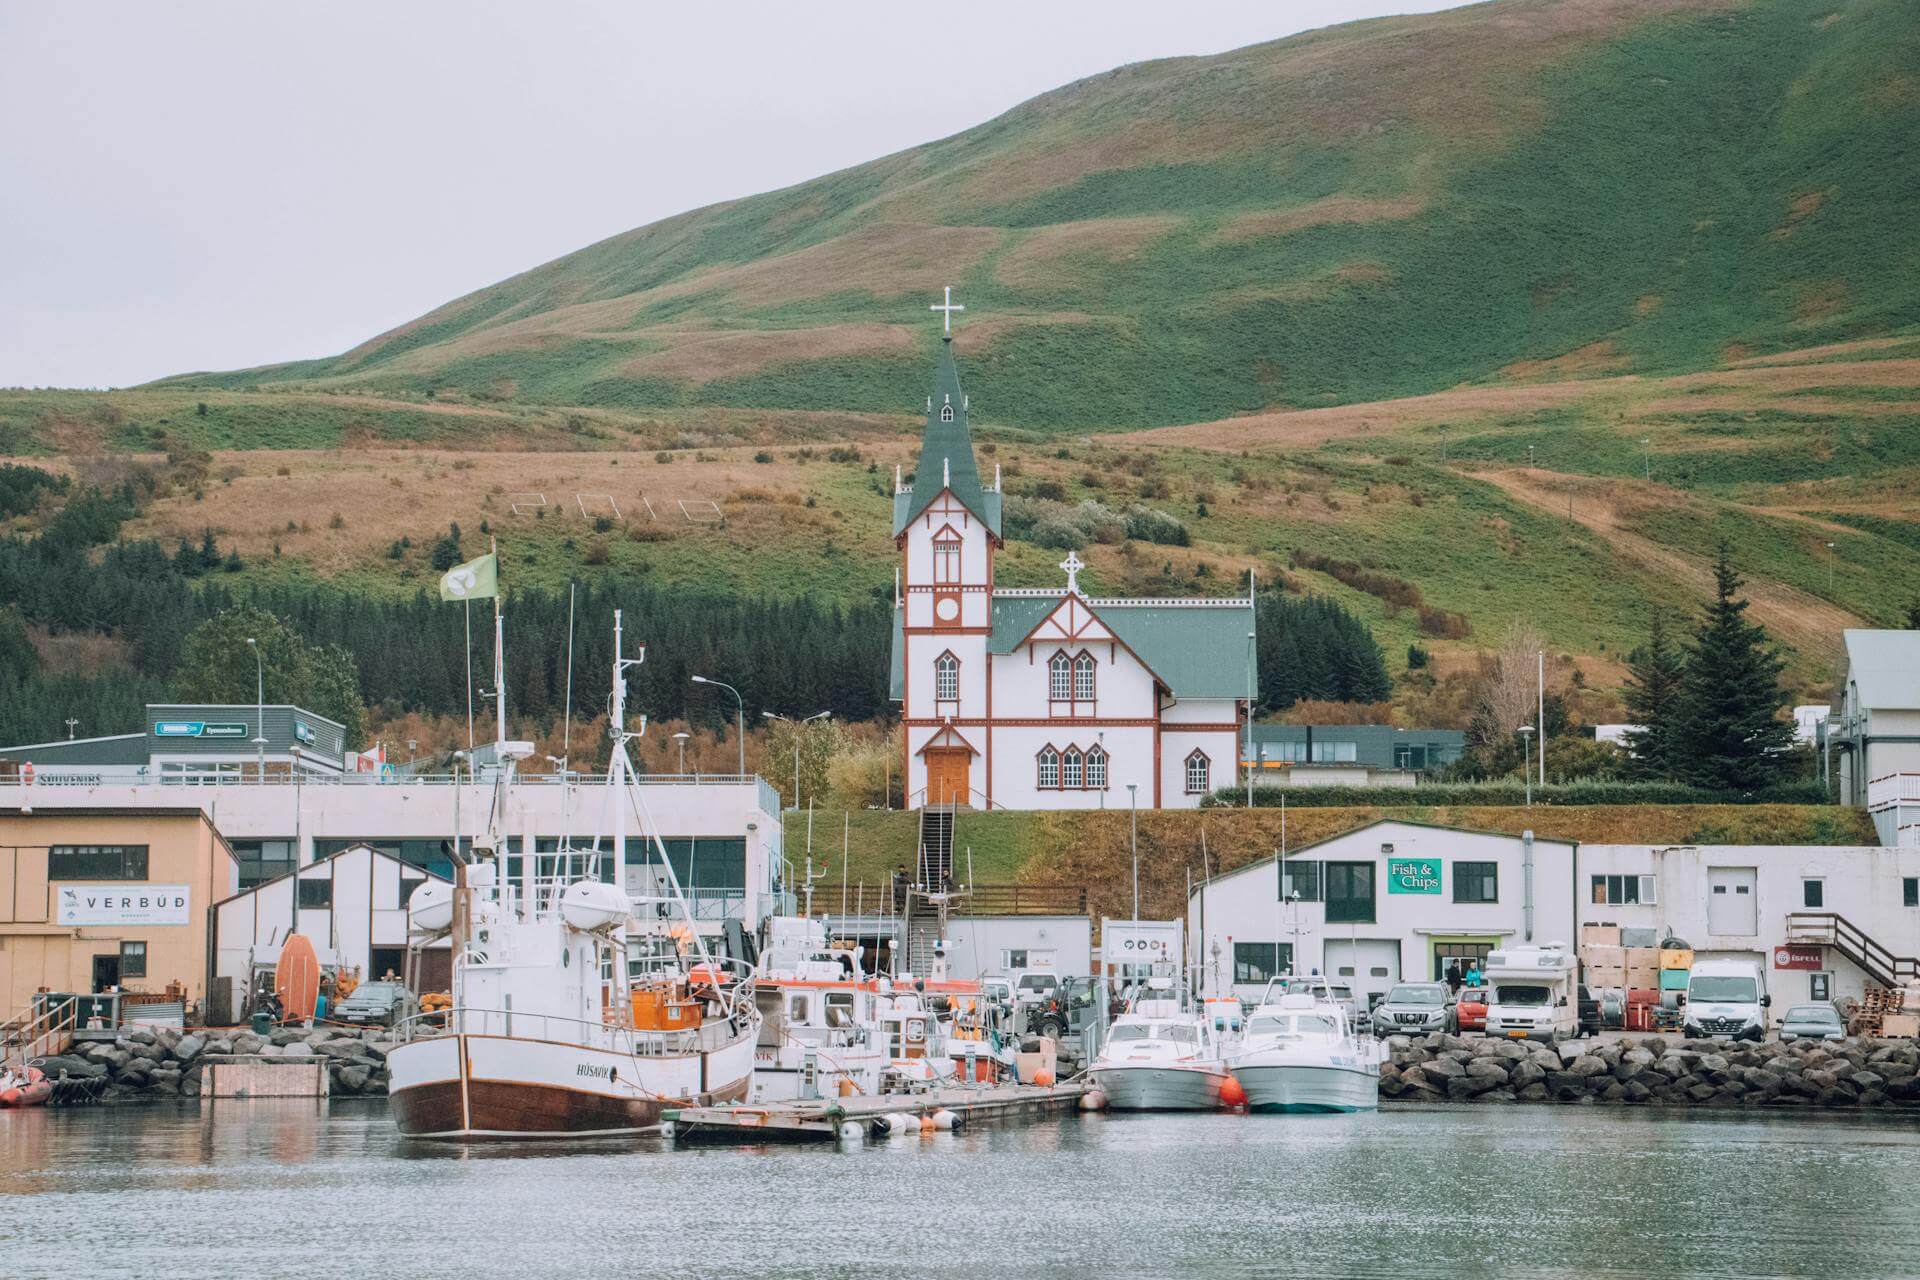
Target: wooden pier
x: 837, y: 1119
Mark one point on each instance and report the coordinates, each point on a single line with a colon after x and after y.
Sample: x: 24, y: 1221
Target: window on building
x: 1049, y: 768
x: 1096, y: 769
x: 1623, y: 891
x: 1819, y: 986
x: 316, y: 893
x: 946, y: 678
x: 1301, y: 878
x: 946, y: 562
x: 133, y: 960
x: 97, y: 862
x: 946, y: 413
x: 1016, y: 958
x: 1083, y: 678
x: 1259, y: 961
x: 262, y: 860
x: 1476, y: 882
x: 1199, y: 770
x: 1060, y: 678
x: 1910, y: 892
x: 1349, y: 892
x: 1813, y: 893
x: 1325, y: 752
x: 1072, y: 772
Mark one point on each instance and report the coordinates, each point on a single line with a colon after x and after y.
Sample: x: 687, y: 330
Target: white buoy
x: 851, y: 1134
x: 945, y: 1121
x: 1093, y: 1100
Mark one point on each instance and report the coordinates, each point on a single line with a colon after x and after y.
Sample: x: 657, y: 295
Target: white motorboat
x: 1299, y: 1054
x: 551, y: 1033
x: 1161, y: 1056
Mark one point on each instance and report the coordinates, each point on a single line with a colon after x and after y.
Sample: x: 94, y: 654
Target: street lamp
x: 1646, y: 450
x: 680, y: 738
x: 259, y: 705
x: 740, y: 716
x: 818, y: 715
x: 1526, y: 766
x: 1248, y: 753
x: 1830, y: 559
x: 1133, y: 838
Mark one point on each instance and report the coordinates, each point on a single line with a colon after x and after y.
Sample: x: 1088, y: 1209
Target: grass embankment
x: 1092, y: 849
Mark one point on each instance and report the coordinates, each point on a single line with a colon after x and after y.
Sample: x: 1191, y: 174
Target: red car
x: 1472, y: 1008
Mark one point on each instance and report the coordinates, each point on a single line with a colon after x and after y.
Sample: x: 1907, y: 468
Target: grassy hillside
x: 1093, y: 848
x: 1502, y: 193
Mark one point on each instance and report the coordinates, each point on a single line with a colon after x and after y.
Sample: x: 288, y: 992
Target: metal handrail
x: 1830, y: 928
x: 30, y: 1035
x: 639, y: 1043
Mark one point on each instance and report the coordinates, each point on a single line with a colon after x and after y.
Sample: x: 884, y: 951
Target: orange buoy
x: 1231, y: 1094
x: 1043, y: 1078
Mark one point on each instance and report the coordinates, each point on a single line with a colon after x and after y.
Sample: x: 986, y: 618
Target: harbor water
x: 271, y: 1188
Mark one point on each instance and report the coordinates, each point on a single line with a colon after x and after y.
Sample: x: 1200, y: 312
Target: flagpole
x: 499, y: 652
x: 469, y: 605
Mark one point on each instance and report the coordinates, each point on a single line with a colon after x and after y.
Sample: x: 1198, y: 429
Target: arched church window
x: 1071, y: 774
x: 1097, y: 769
x: 1049, y: 772
x: 1060, y: 678
x: 1199, y: 770
x: 946, y: 678
x: 1083, y: 678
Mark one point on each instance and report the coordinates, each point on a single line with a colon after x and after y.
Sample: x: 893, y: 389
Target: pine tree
x: 1730, y: 736
x: 1655, y: 689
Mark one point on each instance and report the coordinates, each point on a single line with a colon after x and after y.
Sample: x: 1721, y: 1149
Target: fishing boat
x: 565, y: 1020
x: 1163, y: 1055
x: 1300, y: 1054
x: 828, y: 1030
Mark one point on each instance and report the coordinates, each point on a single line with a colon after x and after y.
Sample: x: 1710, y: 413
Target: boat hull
x: 1296, y: 1087
x: 475, y: 1087
x: 1165, y: 1087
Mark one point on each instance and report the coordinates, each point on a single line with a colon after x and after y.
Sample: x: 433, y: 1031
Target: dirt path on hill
x: 1812, y: 626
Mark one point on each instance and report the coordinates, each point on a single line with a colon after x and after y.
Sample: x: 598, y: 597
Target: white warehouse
x: 1821, y: 920
x: 1391, y: 900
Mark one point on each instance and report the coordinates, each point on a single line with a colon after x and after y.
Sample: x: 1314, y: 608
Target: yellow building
x: 92, y: 899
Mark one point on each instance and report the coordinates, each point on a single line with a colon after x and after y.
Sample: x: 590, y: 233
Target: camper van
x: 1532, y: 993
x: 1726, y: 1000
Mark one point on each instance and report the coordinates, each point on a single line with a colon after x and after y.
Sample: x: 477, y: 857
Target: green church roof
x: 946, y: 454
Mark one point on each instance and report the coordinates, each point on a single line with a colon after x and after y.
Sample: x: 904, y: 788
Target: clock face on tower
x: 946, y: 610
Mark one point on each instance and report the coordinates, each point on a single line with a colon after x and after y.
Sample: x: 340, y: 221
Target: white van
x: 1533, y: 993
x: 1726, y: 1000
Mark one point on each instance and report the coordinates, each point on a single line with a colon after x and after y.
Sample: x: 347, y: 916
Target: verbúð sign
x: 80, y: 904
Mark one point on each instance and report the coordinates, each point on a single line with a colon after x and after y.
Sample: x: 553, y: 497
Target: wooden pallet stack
x: 1885, y: 1011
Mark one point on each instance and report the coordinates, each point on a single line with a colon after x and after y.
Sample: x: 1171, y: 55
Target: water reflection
x: 286, y: 1187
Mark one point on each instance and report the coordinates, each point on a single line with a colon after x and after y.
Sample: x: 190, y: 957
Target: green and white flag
x: 474, y: 580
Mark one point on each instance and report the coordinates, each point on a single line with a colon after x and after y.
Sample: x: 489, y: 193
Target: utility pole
x: 1133, y: 839
x: 1830, y: 560
x: 1540, y: 690
x: 1646, y: 449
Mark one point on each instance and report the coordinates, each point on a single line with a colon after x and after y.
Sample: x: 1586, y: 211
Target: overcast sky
x: 216, y: 185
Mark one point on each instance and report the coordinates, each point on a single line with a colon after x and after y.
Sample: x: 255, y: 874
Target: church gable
x: 1073, y: 622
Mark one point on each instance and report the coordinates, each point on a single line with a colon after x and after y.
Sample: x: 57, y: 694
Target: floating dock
x: 839, y: 1119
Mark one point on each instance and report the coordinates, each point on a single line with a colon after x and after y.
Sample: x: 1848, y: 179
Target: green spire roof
x: 946, y: 454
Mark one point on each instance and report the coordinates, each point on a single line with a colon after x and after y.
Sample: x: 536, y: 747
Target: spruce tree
x: 1730, y: 736
x: 1655, y: 689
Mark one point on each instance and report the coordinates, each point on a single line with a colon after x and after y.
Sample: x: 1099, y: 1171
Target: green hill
x: 1504, y: 192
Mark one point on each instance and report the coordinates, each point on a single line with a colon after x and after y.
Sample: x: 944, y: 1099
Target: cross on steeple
x: 1073, y: 566
x: 948, y: 307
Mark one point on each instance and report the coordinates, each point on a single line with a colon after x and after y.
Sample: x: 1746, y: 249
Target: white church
x: 1047, y: 698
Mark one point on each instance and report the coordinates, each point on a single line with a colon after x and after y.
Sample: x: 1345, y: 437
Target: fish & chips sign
x: 123, y: 904
x: 1413, y: 875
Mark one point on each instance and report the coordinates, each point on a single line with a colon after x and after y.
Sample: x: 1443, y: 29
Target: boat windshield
x: 1293, y: 1026
x: 1178, y: 1032
x: 1130, y: 1031
x: 1522, y: 993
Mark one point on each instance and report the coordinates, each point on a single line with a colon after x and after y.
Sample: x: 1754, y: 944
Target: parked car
x: 996, y: 988
x: 1415, y: 1009
x: 1813, y: 1022
x: 1470, y: 1010
x: 372, y: 1004
x: 1590, y: 1018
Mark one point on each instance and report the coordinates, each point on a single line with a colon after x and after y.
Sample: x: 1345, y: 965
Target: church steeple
x: 946, y: 449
